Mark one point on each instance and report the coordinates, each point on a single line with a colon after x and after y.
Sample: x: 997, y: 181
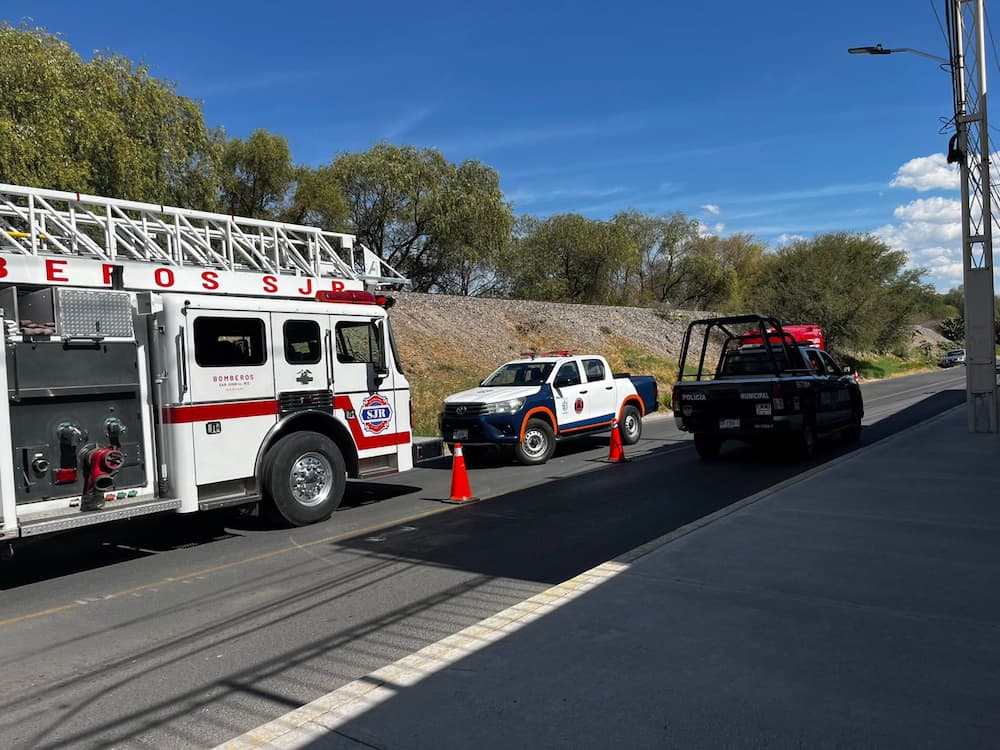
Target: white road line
x: 304, y: 725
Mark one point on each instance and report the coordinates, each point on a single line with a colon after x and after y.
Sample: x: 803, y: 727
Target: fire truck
x: 160, y: 359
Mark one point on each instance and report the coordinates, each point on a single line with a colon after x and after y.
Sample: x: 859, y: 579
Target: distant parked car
x: 952, y: 358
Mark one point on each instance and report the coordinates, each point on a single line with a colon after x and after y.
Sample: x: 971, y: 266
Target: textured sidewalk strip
x: 308, y: 723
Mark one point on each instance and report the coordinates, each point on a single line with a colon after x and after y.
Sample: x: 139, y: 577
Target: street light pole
x: 972, y: 152
x: 970, y: 147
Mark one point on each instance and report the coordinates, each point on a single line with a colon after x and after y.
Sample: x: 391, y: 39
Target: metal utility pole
x: 970, y: 147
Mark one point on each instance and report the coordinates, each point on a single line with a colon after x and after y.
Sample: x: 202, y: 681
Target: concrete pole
x: 969, y: 81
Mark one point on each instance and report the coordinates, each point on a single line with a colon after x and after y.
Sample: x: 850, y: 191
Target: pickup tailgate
x: 746, y: 406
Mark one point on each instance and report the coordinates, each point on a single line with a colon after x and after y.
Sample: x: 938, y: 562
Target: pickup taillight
x: 778, y: 395
x: 675, y: 397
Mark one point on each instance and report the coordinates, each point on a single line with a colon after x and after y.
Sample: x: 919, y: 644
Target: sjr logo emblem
x: 578, y: 406
x: 375, y: 413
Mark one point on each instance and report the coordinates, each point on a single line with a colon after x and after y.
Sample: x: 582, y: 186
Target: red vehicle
x: 804, y: 335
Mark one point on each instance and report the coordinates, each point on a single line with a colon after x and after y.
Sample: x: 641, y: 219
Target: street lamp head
x: 878, y: 49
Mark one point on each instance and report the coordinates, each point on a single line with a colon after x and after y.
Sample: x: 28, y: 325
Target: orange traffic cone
x: 461, y: 492
x: 616, y: 454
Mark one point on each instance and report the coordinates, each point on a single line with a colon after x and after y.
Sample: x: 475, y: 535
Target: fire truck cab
x: 185, y: 365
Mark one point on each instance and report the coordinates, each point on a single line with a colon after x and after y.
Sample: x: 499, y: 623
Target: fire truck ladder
x: 39, y: 222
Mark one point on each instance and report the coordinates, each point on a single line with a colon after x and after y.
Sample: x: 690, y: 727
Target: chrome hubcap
x: 631, y: 424
x: 311, y: 479
x: 534, y: 444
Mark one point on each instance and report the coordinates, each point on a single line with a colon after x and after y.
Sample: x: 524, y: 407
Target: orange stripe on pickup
x: 537, y: 410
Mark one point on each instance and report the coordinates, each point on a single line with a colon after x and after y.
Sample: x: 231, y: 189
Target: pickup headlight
x: 511, y: 406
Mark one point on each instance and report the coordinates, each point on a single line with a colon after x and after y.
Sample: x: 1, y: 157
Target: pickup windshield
x: 520, y: 373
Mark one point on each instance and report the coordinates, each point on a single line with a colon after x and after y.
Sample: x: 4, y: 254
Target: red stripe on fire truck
x: 362, y: 440
x: 228, y: 410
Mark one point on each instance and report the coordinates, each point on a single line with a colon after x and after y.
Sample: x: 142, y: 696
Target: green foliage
x: 888, y: 365
x: 652, y: 268
x: 953, y: 328
x: 569, y: 258
x: 257, y: 174
x: 104, y: 126
x: 853, y: 285
x: 441, y: 224
x: 316, y: 200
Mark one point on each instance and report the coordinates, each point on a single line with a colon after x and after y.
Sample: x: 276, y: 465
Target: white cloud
x: 712, y: 209
x: 927, y: 173
x: 930, y: 210
x: 788, y: 239
x: 711, y: 230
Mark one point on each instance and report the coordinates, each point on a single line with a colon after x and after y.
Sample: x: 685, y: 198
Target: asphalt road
x: 185, y: 631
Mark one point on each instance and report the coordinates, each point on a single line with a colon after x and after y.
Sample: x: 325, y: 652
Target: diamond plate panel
x: 84, y: 312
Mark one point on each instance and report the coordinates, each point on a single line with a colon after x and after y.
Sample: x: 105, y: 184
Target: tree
x: 316, y: 200
x: 653, y: 270
x: 469, y: 230
x: 853, y: 285
x: 256, y: 175
x: 436, y: 222
x: 104, y: 126
x: 569, y: 258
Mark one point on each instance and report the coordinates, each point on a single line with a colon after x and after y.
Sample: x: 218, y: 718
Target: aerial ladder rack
x: 43, y: 223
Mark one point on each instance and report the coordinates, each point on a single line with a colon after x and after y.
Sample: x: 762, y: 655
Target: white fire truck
x: 160, y: 359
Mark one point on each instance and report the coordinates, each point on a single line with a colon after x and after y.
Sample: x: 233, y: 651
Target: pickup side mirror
x: 564, y: 381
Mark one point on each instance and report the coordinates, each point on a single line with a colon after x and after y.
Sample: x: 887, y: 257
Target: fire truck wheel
x: 537, y: 445
x: 304, y: 477
x: 631, y: 425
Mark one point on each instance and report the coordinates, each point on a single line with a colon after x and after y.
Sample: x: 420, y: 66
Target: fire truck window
x: 358, y: 342
x: 302, y: 343
x: 229, y: 342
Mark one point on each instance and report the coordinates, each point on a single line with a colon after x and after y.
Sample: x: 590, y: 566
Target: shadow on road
x: 633, y: 503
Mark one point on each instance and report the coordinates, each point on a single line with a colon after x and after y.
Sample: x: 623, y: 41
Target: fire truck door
x: 233, y: 402
x: 301, y: 351
x: 365, y: 385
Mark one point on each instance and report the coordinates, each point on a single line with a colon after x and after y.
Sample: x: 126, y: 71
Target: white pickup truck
x: 530, y: 403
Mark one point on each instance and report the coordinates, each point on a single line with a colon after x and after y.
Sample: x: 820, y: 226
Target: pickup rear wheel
x: 806, y: 443
x: 537, y: 444
x: 303, y: 478
x: 707, y: 446
x: 852, y: 433
x: 631, y: 425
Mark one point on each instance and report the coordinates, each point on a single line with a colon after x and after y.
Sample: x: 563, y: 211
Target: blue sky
x: 750, y: 117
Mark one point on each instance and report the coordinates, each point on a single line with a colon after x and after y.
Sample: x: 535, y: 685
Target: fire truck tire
x: 304, y: 478
x: 631, y: 425
x: 537, y: 445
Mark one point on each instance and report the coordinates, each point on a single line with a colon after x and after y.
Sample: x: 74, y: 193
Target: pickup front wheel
x: 537, y: 444
x: 631, y: 425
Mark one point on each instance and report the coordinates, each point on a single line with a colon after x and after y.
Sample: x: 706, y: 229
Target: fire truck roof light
x: 355, y: 297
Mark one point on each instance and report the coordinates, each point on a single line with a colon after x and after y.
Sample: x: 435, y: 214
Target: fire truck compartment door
x: 233, y: 401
